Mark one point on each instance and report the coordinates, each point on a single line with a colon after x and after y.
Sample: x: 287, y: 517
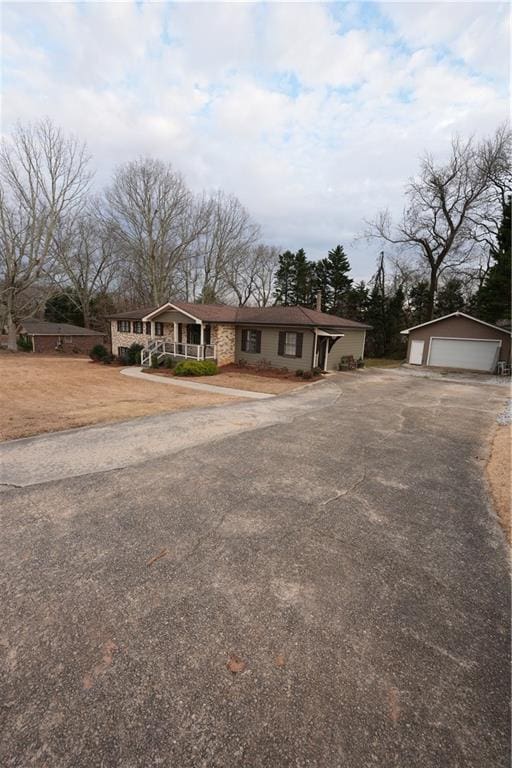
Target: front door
x: 193, y: 334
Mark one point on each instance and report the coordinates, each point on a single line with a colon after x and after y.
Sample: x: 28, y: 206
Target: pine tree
x: 419, y: 302
x: 493, y: 300
x: 286, y: 279
x: 450, y: 298
x: 357, y: 302
x: 340, y: 282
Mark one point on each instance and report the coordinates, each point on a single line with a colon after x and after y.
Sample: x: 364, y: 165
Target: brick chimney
x: 319, y: 301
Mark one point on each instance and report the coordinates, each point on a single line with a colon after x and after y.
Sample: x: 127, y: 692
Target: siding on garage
x: 352, y: 343
x: 270, y: 345
x: 458, y: 328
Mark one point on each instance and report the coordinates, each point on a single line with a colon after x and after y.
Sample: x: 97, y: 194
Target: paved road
x: 342, y: 550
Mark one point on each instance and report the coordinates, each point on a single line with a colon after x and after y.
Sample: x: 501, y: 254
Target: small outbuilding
x: 458, y: 341
x: 62, y: 337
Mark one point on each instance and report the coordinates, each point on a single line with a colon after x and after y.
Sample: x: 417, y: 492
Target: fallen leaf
x: 393, y: 704
x: 280, y: 660
x: 235, y: 664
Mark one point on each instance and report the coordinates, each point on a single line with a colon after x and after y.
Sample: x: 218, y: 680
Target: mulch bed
x: 268, y: 373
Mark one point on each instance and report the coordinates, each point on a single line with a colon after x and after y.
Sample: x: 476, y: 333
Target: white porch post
x: 201, y: 348
x: 175, y: 333
x: 152, y: 329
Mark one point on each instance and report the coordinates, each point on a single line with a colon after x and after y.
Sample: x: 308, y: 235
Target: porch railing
x: 165, y: 348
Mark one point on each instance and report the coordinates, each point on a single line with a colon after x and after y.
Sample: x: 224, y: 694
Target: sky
x: 314, y: 115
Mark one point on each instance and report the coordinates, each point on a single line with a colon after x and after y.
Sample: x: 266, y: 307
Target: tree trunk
x: 11, y: 333
x: 432, y: 290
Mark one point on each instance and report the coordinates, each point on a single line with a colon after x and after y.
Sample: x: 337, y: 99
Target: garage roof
x: 455, y: 314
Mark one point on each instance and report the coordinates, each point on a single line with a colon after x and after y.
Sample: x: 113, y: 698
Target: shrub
x: 132, y: 356
x: 169, y: 363
x: 307, y: 375
x: 99, y: 353
x: 154, y: 361
x: 196, y: 368
x: 317, y: 371
x: 24, y: 344
x: 299, y: 372
x: 108, y: 359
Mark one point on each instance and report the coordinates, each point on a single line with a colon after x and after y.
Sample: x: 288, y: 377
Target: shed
x: 458, y: 341
x: 63, y: 337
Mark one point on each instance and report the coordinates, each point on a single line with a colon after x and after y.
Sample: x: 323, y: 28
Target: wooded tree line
x: 79, y: 255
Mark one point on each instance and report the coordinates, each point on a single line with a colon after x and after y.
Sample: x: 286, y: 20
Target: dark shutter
x: 119, y: 325
x: 180, y: 326
x: 282, y: 339
x: 298, y: 346
x: 207, y: 334
x: 244, y: 340
x: 258, y: 342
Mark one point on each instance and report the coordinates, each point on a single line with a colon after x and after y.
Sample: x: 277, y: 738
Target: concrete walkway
x: 136, y: 373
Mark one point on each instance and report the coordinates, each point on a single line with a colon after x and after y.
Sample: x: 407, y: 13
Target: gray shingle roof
x: 223, y: 313
x: 34, y: 327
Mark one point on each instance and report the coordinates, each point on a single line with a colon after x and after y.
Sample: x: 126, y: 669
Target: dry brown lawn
x: 498, y: 475
x: 248, y: 381
x: 43, y: 393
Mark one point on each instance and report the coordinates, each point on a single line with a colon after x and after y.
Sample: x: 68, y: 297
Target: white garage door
x: 473, y: 354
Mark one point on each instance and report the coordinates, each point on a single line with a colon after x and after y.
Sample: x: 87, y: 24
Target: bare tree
x: 44, y: 178
x: 155, y: 219
x: 265, y: 262
x: 448, y: 207
x: 222, y: 252
x: 86, y: 259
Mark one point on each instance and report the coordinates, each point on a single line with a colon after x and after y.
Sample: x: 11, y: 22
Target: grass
x: 45, y: 393
x: 381, y: 362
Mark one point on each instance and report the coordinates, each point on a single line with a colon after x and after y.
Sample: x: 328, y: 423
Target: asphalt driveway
x: 334, y: 547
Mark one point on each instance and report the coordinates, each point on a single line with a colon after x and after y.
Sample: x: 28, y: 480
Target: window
x: 123, y: 326
x: 290, y: 344
x: 68, y: 339
x: 251, y: 341
x: 159, y: 329
x: 148, y: 329
x: 137, y: 326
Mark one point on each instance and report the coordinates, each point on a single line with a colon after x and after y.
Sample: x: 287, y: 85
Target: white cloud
x: 313, y: 115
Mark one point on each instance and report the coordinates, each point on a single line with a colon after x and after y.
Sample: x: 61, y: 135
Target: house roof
x: 456, y: 314
x: 35, y: 327
x: 223, y: 313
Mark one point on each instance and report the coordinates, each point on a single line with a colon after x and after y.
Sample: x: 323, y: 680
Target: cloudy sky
x: 313, y: 114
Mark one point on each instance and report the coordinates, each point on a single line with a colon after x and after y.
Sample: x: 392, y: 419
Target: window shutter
x: 298, y: 348
x: 244, y: 340
x: 282, y: 339
x: 180, y: 326
x: 258, y: 341
x: 118, y: 325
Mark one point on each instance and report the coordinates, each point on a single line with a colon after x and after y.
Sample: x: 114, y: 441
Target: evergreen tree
x: 493, y: 300
x: 64, y: 308
x: 419, y: 302
x: 323, y: 283
x: 357, y: 302
x: 285, y: 279
x: 450, y: 298
x: 305, y: 280
x: 340, y: 282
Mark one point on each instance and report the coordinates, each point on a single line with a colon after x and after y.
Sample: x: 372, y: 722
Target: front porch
x: 166, y: 347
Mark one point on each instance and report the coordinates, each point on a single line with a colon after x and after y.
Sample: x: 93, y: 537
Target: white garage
x: 458, y: 341
x: 470, y: 354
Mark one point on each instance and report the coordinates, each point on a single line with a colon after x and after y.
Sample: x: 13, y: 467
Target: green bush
x: 307, y: 375
x: 154, y: 361
x: 196, y: 368
x: 299, y: 372
x: 99, y: 353
x: 169, y: 363
x: 317, y: 371
x: 132, y: 356
x: 24, y: 344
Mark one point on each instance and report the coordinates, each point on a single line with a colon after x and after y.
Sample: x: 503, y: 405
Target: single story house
x: 458, y: 341
x: 63, y: 337
x: 284, y: 337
